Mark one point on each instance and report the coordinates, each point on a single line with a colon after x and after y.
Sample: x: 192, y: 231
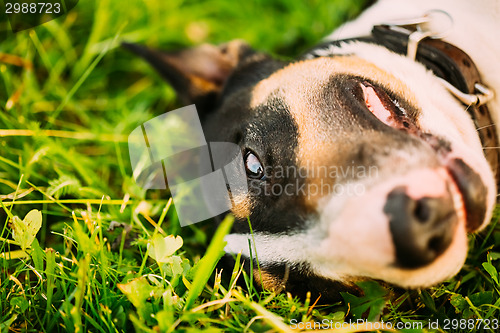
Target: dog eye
x: 253, y: 166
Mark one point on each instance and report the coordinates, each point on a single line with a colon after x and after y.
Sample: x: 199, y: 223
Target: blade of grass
x: 273, y: 320
x: 206, y: 265
x: 84, y: 76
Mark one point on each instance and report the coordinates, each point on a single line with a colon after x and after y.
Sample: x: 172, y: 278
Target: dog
x: 372, y: 156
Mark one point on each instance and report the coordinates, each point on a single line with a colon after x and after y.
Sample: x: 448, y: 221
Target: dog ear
x: 197, y: 74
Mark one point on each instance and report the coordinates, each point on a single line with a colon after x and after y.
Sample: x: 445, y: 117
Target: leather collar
x: 446, y: 61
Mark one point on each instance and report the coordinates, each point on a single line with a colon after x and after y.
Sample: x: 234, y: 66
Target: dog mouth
x: 472, y: 190
x: 467, y: 182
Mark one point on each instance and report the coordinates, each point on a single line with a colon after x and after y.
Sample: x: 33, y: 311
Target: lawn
x: 109, y: 256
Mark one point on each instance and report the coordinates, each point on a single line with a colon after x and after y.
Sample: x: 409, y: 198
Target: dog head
x: 359, y: 165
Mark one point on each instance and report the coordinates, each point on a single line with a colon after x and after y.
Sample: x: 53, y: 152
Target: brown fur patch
x: 242, y: 206
x: 299, y: 84
x: 268, y: 281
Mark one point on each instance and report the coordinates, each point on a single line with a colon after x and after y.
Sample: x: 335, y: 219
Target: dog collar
x: 454, y: 67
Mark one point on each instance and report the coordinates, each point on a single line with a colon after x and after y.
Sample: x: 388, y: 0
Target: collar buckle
x: 414, y: 39
x: 433, y: 24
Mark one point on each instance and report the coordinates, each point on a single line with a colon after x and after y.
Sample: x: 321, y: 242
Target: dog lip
x: 385, y: 108
x: 472, y: 190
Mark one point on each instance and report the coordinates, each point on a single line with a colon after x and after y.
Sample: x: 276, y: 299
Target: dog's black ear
x: 197, y: 74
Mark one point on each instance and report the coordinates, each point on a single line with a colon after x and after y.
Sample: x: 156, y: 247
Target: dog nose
x: 421, y: 228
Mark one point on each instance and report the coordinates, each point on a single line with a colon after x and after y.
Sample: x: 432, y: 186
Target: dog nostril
x: 422, y: 211
x: 436, y: 244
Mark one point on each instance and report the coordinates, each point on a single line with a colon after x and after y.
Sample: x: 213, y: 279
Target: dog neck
x: 457, y: 70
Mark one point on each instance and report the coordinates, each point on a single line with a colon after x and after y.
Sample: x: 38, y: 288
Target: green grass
x: 67, y: 105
